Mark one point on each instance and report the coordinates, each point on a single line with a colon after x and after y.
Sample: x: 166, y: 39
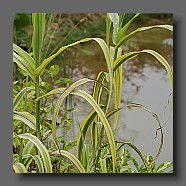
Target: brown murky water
x: 144, y: 81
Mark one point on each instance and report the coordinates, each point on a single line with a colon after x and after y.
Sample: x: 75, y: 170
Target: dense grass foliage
x: 37, y: 147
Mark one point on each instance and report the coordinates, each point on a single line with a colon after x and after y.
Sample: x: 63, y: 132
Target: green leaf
x: 54, y: 69
x: 46, y: 134
x: 37, y: 160
x: 103, y: 165
x: 122, y: 32
x: 83, y: 130
x: 104, y: 121
x: 109, y: 66
x: 25, y: 56
x: 118, y: 73
x: 124, y: 58
x: 28, y: 147
x: 19, y: 168
x: 115, y: 20
x: 61, y: 99
x: 63, y: 80
x: 164, y: 166
x: 135, y: 163
x: 108, y: 25
x: 23, y: 64
x: 25, y: 117
x: 160, y: 58
x: 42, y: 150
x: 121, y: 19
x: 125, y: 38
x: 46, y: 85
x: 85, y: 157
x: 20, y: 96
x: 38, y: 21
x: 70, y: 145
x: 104, y: 48
x: 42, y: 66
x: 72, y: 158
x: 100, y: 113
x: 97, y: 89
x: 127, y: 155
x: 171, y: 171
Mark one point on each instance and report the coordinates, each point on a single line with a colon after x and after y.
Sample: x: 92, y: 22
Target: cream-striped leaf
x: 42, y: 150
x: 20, y: 95
x: 72, y: 158
x: 26, y: 118
x: 125, y: 38
x: 160, y: 58
x: 37, y: 160
x: 19, y: 168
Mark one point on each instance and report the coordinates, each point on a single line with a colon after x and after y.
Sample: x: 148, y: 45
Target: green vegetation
x: 37, y: 146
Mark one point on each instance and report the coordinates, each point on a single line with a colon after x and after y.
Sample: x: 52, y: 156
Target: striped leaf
x: 72, y: 158
x: 160, y: 58
x: 28, y: 147
x: 85, y: 157
x: 20, y: 96
x: 24, y: 65
x: 109, y: 66
x: 26, y: 118
x: 27, y: 162
x: 38, y: 22
x: 104, y: 48
x: 118, y: 73
x: 103, y: 165
x: 121, y: 19
x: 97, y: 92
x: 100, y: 113
x: 37, y: 160
x: 104, y: 121
x: 108, y: 25
x: 42, y: 66
x: 114, y: 17
x: 125, y: 38
x: 24, y: 55
x: 42, y: 150
x: 124, y: 58
x: 52, y: 92
x: 67, y: 91
x: 97, y: 89
x: 27, y: 150
x: 19, y: 168
x: 83, y: 130
x: 122, y: 31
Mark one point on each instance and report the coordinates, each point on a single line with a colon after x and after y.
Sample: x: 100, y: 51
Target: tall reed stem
x: 37, y: 109
x: 38, y: 20
x: 23, y: 126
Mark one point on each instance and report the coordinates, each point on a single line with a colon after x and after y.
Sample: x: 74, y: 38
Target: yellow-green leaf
x: 19, y: 168
x: 72, y: 158
x: 125, y: 38
x: 42, y: 150
x: 26, y: 118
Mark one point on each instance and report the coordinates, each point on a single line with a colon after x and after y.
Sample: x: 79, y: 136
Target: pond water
x: 144, y: 81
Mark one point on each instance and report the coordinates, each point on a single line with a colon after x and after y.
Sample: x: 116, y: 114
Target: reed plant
x: 103, y: 154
